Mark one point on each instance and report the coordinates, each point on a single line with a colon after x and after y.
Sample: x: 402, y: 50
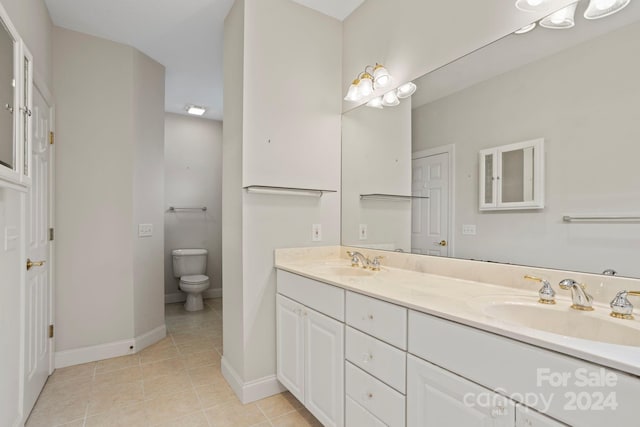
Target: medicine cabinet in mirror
x: 512, y: 176
x: 16, y: 69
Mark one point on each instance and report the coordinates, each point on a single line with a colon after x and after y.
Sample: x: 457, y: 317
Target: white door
x: 324, y: 373
x: 37, y: 292
x: 290, y: 345
x: 438, y: 398
x: 430, y: 217
x: 526, y: 417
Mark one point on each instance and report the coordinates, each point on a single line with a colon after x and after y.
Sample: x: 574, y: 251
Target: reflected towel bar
x: 200, y: 208
x: 266, y: 189
x: 378, y: 196
x: 602, y: 218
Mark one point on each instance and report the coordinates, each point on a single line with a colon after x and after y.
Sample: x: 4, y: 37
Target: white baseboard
x: 93, y: 353
x: 250, y: 391
x: 181, y: 297
x: 149, y: 338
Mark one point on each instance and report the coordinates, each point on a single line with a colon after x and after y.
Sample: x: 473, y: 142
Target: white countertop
x: 462, y: 301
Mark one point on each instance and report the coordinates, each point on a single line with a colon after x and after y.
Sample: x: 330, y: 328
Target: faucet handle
x: 355, y: 262
x: 621, y: 308
x: 375, y: 263
x: 546, y: 293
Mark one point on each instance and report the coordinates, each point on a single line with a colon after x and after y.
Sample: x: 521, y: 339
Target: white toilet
x: 190, y: 265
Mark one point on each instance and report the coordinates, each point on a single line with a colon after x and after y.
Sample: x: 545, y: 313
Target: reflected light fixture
x: 526, y: 28
x: 530, y: 5
x: 562, y: 19
x: 406, y: 90
x: 375, y: 102
x: 600, y: 8
x: 195, y: 110
x: 390, y: 99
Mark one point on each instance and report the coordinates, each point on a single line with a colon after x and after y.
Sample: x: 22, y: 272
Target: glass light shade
x: 406, y: 90
x: 353, y: 93
x: 381, y: 76
x: 562, y: 19
x: 375, y: 102
x: 530, y: 5
x: 196, y: 110
x: 525, y: 29
x: 390, y: 99
x: 600, y: 8
x: 365, y: 87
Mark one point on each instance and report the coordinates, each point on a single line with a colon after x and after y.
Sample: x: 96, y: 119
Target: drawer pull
x: 369, y: 395
x: 367, y: 357
x: 371, y: 317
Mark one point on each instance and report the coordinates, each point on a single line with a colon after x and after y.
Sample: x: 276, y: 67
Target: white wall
x: 148, y: 192
x: 584, y: 102
x: 376, y: 158
x: 109, y: 174
x: 413, y: 37
x: 288, y: 132
x: 193, y: 177
x: 32, y: 21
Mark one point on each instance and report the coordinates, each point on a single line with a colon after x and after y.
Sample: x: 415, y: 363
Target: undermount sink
x: 562, y: 320
x: 348, y: 271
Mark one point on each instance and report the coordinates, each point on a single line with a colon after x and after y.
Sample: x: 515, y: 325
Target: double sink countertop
x: 504, y: 310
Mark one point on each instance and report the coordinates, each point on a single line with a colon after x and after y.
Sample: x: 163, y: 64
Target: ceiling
x: 185, y: 36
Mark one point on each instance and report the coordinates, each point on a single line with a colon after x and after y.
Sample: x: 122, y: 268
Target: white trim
x: 250, y: 391
x: 149, y: 338
x: 81, y: 355
x: 451, y: 150
x: 182, y: 297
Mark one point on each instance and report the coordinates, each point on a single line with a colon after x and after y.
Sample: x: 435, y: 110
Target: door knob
x: 441, y: 243
x: 34, y: 264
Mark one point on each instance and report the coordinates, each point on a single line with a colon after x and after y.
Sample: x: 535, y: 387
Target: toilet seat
x: 197, y: 279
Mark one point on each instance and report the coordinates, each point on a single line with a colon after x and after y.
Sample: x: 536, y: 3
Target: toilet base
x: 194, y: 302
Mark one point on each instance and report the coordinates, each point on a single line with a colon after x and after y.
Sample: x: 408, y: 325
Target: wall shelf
x: 289, y: 191
x: 399, y: 197
x: 601, y: 218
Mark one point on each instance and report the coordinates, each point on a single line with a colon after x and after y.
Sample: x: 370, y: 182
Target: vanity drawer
x: 356, y: 415
x: 326, y: 299
x: 376, y: 397
x: 381, y: 360
x: 378, y: 318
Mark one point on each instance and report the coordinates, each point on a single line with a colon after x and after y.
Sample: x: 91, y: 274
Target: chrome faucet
x: 358, y: 259
x: 546, y: 293
x: 580, y: 298
x: 621, y: 308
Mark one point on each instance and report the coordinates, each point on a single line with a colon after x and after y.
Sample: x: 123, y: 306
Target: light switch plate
x: 362, y: 233
x: 145, y: 230
x: 316, y: 232
x: 469, y: 229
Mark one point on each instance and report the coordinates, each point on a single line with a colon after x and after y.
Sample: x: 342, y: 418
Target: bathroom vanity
x: 413, y: 345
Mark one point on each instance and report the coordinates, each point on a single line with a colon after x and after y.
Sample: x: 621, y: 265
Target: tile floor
x: 176, y: 382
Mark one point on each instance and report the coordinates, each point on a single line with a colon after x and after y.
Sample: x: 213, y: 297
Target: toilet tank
x: 187, y: 262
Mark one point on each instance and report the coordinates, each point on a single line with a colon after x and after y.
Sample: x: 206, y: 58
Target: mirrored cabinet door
x: 16, y: 76
x: 512, y: 176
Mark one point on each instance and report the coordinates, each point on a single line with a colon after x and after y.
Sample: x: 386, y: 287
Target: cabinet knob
x: 369, y: 395
x: 367, y: 357
x: 370, y: 317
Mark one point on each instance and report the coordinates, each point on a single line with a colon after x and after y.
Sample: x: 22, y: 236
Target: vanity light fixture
x: 562, y: 19
x: 195, y: 110
x: 406, y: 90
x: 600, y: 8
x: 373, y: 77
x: 375, y: 102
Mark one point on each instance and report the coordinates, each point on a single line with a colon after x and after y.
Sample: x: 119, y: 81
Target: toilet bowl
x: 194, y: 286
x: 190, y: 265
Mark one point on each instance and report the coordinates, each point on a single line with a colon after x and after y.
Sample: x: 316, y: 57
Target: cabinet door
x: 290, y: 345
x: 438, y: 398
x: 526, y: 417
x: 488, y: 178
x: 324, y: 379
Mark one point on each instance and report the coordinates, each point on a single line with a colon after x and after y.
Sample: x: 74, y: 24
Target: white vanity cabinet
x: 438, y: 398
x: 310, y: 345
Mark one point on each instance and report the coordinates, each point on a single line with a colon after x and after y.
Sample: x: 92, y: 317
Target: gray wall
x: 584, y: 102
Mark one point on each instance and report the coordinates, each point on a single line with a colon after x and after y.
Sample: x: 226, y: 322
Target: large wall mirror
x: 578, y: 90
